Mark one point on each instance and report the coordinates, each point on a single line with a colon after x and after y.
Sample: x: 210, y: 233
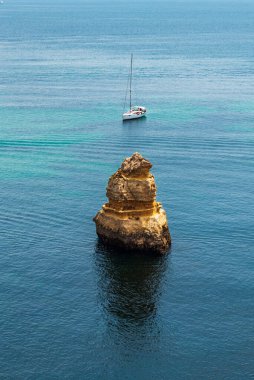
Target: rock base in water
x: 132, y: 218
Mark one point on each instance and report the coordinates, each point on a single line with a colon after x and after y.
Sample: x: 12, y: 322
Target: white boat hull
x: 130, y: 116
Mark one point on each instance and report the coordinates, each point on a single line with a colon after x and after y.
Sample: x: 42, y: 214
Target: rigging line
x: 131, y: 79
x: 128, y: 81
x: 126, y: 94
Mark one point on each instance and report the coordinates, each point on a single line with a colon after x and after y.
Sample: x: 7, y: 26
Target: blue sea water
x: 70, y: 308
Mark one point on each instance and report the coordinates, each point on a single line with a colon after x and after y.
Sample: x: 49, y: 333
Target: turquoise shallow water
x: 71, y: 308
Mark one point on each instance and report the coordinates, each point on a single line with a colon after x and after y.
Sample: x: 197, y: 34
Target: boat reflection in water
x: 129, y: 286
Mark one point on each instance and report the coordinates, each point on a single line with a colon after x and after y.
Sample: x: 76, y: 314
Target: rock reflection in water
x: 129, y: 289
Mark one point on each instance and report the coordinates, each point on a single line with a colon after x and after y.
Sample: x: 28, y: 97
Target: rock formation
x: 132, y: 218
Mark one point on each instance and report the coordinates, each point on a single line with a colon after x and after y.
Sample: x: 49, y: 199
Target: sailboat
x: 135, y: 112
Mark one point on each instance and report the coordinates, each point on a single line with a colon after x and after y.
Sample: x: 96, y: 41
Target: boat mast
x: 131, y: 78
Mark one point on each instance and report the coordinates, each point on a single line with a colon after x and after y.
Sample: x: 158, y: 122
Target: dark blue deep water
x: 71, y: 309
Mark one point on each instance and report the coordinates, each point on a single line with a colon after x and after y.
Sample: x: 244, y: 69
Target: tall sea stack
x: 132, y: 218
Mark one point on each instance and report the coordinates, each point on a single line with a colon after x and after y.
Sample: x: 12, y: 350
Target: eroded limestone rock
x: 132, y: 218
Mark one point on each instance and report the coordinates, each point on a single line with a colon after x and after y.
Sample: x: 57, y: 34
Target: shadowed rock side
x: 132, y: 218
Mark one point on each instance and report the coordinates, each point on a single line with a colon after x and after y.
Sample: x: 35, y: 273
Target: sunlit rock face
x: 132, y: 218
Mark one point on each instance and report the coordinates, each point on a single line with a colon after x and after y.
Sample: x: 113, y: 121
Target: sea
x: 70, y: 307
